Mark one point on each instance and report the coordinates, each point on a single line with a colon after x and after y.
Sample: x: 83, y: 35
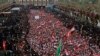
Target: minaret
x: 51, y: 1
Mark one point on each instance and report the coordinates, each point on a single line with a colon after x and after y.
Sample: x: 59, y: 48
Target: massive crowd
x: 46, y: 32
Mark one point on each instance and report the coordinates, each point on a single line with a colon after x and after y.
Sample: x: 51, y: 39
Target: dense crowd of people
x: 82, y: 21
x: 89, y: 15
x: 12, y: 37
x: 46, y: 32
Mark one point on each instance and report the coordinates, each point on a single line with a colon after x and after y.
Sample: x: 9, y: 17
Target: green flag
x: 59, y: 48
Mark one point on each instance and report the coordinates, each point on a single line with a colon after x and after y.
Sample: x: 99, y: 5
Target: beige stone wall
x: 36, y: 2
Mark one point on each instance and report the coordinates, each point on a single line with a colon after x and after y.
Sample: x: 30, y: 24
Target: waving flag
x: 59, y: 48
x: 4, y: 45
x: 69, y: 33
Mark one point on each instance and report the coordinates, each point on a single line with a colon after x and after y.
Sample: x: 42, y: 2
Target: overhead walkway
x: 5, y: 7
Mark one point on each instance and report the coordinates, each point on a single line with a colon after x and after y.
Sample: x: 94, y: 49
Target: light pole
x: 13, y: 2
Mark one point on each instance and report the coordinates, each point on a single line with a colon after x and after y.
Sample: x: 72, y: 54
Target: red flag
x: 67, y: 52
x: 4, y: 45
x: 53, y: 36
x: 69, y: 32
